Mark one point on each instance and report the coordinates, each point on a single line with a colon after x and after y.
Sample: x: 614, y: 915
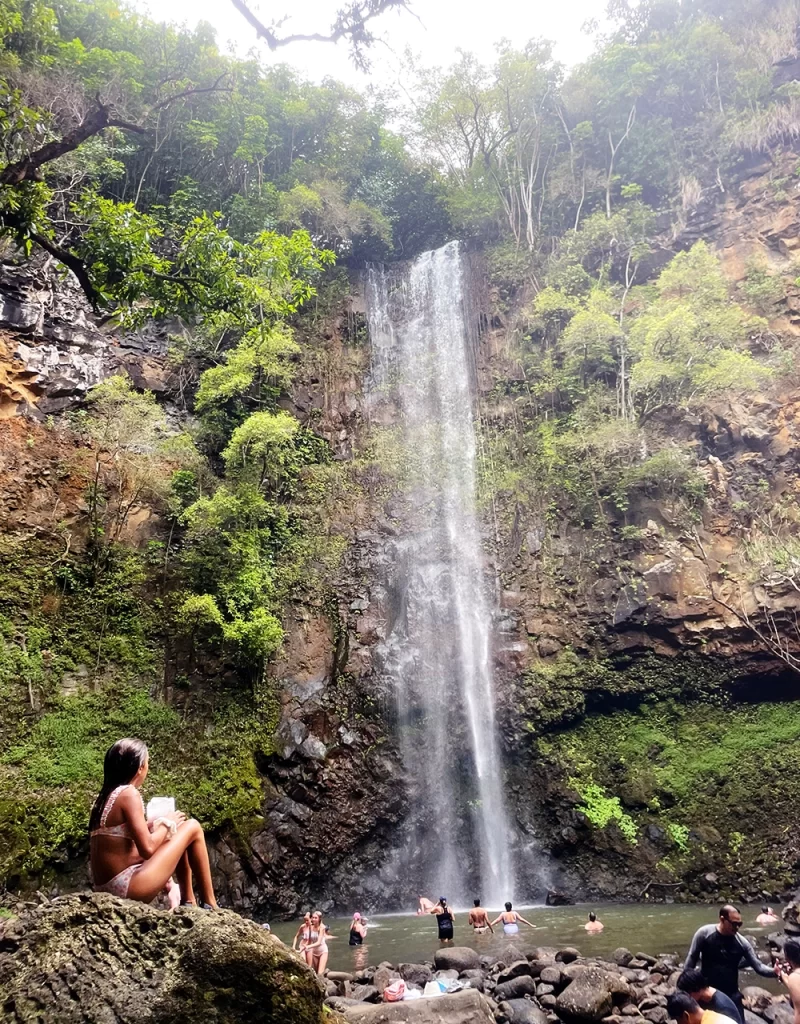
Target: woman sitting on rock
x: 135, y: 859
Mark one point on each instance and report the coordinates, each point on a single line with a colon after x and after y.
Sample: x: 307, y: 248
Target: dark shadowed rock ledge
x: 95, y: 958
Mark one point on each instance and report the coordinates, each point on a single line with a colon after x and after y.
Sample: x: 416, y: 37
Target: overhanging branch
x: 350, y: 24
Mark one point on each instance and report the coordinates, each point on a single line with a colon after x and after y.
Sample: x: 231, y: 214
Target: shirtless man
x: 593, y: 926
x: 425, y: 905
x: 767, y: 916
x: 479, y: 919
x: 788, y: 970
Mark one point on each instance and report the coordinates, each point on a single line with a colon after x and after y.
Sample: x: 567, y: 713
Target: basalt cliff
x: 645, y: 659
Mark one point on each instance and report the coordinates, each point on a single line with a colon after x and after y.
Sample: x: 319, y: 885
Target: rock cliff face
x: 585, y: 627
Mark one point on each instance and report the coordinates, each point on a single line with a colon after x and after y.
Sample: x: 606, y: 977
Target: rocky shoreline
x: 547, y: 986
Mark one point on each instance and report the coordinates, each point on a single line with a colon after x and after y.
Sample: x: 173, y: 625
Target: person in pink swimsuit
x: 316, y: 949
x: 133, y: 858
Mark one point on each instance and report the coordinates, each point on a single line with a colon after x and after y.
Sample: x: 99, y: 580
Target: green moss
x: 559, y: 690
x: 601, y: 810
x: 77, y: 670
x: 711, y: 767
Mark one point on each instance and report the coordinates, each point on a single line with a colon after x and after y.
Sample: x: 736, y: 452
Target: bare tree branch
x: 351, y: 23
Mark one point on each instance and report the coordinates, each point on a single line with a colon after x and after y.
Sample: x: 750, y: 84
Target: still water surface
x: 649, y: 928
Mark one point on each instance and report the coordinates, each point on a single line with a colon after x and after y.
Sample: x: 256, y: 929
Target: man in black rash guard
x: 709, y: 998
x: 721, y: 952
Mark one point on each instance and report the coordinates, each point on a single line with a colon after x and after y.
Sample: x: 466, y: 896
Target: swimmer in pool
x: 511, y: 919
x: 444, y: 919
x: 479, y: 919
x: 593, y: 926
x: 767, y: 916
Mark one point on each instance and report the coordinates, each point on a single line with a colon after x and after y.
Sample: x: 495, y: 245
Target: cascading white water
x: 436, y: 654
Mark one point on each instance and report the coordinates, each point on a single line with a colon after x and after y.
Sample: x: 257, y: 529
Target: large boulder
x: 89, y: 958
x: 456, y: 958
x: 586, y: 998
x: 416, y: 974
x: 465, y: 1007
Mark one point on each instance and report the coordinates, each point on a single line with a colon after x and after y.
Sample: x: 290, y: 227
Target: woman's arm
x: 147, y: 842
x: 497, y: 920
x: 521, y: 918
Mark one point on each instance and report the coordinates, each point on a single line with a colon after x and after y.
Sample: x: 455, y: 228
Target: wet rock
x: 545, y: 990
x: 340, y: 976
x: 779, y: 1013
x: 456, y: 958
x: 511, y: 954
x: 550, y: 976
x: 756, y: 998
x: 515, y: 989
x: 622, y: 956
x: 365, y: 994
x: 586, y: 998
x: 645, y: 958
x: 341, y: 1003
x: 515, y: 970
x: 475, y: 979
x: 547, y: 1002
x: 522, y: 1011
x: 415, y: 974
x: 568, y: 954
x: 752, y: 1018
x: 630, y: 1011
x: 657, y: 1015
x: 650, y: 1002
x: 546, y: 953
x: 93, y: 958
x: 465, y: 1007
x: 384, y: 976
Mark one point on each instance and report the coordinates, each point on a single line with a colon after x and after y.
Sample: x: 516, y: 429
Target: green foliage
x: 706, y: 767
x: 760, y: 289
x: 602, y: 810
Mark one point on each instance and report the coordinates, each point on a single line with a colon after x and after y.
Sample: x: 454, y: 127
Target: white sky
x: 440, y: 28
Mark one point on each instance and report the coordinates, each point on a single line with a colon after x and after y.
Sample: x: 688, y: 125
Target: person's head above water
x: 442, y: 901
x: 508, y: 906
x: 730, y: 920
x: 356, y: 916
x: 692, y: 981
x: 791, y: 950
x: 592, y: 915
x: 476, y: 903
x: 766, y: 910
x: 126, y: 761
x: 683, y: 1009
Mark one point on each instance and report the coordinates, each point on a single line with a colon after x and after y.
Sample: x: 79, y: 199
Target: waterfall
x: 436, y: 654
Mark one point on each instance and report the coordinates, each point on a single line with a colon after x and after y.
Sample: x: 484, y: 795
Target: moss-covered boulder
x: 92, y: 957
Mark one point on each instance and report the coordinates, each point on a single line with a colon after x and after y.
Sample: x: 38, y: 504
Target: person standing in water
x: 445, y: 918
x: 721, y: 951
x: 358, y: 930
x: 593, y: 926
x: 479, y: 919
x: 511, y: 919
x: 767, y: 916
x: 316, y: 949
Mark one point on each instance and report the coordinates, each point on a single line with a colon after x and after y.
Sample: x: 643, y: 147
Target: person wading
x: 445, y: 919
x: 721, y: 952
x: 479, y: 919
x: 694, y: 982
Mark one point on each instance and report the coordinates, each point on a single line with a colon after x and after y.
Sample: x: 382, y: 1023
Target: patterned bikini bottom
x: 119, y: 884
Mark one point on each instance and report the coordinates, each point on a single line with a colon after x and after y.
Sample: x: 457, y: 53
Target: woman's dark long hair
x: 122, y: 762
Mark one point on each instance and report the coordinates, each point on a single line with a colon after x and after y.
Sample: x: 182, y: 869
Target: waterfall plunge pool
x: 649, y: 928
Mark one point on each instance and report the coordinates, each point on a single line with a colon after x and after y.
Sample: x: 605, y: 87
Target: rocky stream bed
x: 93, y: 958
